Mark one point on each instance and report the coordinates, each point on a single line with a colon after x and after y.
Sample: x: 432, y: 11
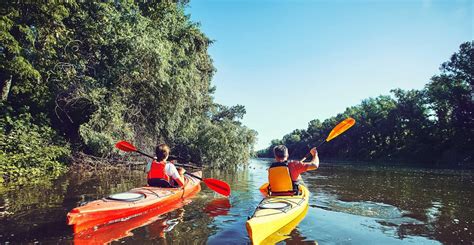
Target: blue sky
x: 289, y: 62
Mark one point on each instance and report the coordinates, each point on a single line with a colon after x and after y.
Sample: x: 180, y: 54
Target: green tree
x: 99, y: 72
x: 431, y: 126
x: 450, y: 96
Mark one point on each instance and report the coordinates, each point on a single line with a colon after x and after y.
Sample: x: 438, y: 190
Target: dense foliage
x: 432, y: 126
x: 29, y: 150
x: 83, y: 75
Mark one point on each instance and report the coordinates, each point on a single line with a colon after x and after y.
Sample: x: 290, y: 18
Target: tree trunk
x: 5, y: 88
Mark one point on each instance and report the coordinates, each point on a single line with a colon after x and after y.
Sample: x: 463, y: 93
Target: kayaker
x: 283, y: 175
x: 162, y: 173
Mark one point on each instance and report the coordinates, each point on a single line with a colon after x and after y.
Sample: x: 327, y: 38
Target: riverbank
x: 405, y: 164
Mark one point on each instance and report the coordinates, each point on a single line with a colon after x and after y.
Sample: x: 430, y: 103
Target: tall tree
x: 97, y: 72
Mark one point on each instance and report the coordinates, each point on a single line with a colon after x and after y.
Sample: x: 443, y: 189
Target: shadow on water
x: 355, y: 204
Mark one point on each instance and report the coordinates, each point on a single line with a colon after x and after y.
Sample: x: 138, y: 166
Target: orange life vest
x: 279, y: 179
x: 157, y: 171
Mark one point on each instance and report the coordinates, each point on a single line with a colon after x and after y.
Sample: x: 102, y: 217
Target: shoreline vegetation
x: 76, y: 77
x: 88, y: 163
x: 431, y: 127
x: 395, y: 164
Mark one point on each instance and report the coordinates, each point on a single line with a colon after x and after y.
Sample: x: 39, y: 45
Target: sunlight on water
x: 368, y: 209
x: 433, y: 213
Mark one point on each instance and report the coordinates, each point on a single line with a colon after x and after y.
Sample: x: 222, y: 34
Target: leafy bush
x: 225, y: 143
x: 28, y: 150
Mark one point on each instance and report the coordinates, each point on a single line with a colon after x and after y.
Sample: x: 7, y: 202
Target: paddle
x: 125, y: 146
x: 336, y: 131
x: 216, y: 185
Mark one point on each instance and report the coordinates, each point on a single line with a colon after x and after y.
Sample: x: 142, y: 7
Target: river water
x: 350, y: 204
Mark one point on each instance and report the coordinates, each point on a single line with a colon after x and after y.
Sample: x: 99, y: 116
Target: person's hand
x: 313, y: 151
x: 181, y: 171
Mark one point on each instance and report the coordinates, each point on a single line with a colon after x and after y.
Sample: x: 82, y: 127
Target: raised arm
x: 314, y: 163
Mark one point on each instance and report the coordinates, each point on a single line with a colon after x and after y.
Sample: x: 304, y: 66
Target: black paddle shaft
x: 309, y: 154
x: 194, y: 176
x: 180, y: 165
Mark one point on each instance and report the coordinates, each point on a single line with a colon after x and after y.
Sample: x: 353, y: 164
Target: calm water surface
x: 350, y: 204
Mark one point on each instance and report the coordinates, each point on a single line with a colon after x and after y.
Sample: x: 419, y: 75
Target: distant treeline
x: 431, y: 126
x: 79, y: 76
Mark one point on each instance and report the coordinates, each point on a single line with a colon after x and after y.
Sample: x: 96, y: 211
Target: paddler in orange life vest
x: 162, y: 173
x: 283, y: 175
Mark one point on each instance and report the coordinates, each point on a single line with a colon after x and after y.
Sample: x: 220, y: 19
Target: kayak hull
x: 266, y: 220
x: 155, y: 219
x: 105, y: 210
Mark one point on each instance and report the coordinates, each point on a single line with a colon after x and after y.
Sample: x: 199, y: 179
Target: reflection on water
x: 350, y: 204
x: 406, y: 202
x: 217, y: 207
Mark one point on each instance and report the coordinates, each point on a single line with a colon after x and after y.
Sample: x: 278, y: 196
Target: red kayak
x: 130, y: 204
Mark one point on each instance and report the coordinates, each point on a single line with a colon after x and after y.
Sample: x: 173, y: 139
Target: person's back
x: 284, y: 175
x: 279, y: 179
x: 162, y: 173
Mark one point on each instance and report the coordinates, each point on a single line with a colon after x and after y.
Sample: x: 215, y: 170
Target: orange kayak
x: 129, y: 204
x: 153, y: 218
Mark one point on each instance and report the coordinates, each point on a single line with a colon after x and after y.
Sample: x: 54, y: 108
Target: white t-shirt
x: 170, y: 170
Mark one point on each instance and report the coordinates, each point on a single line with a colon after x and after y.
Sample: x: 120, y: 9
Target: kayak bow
x: 275, y: 212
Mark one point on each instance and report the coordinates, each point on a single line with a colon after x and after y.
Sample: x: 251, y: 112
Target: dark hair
x: 280, y: 151
x: 162, y: 151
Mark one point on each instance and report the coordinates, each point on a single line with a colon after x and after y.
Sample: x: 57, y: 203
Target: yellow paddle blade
x: 341, y: 128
